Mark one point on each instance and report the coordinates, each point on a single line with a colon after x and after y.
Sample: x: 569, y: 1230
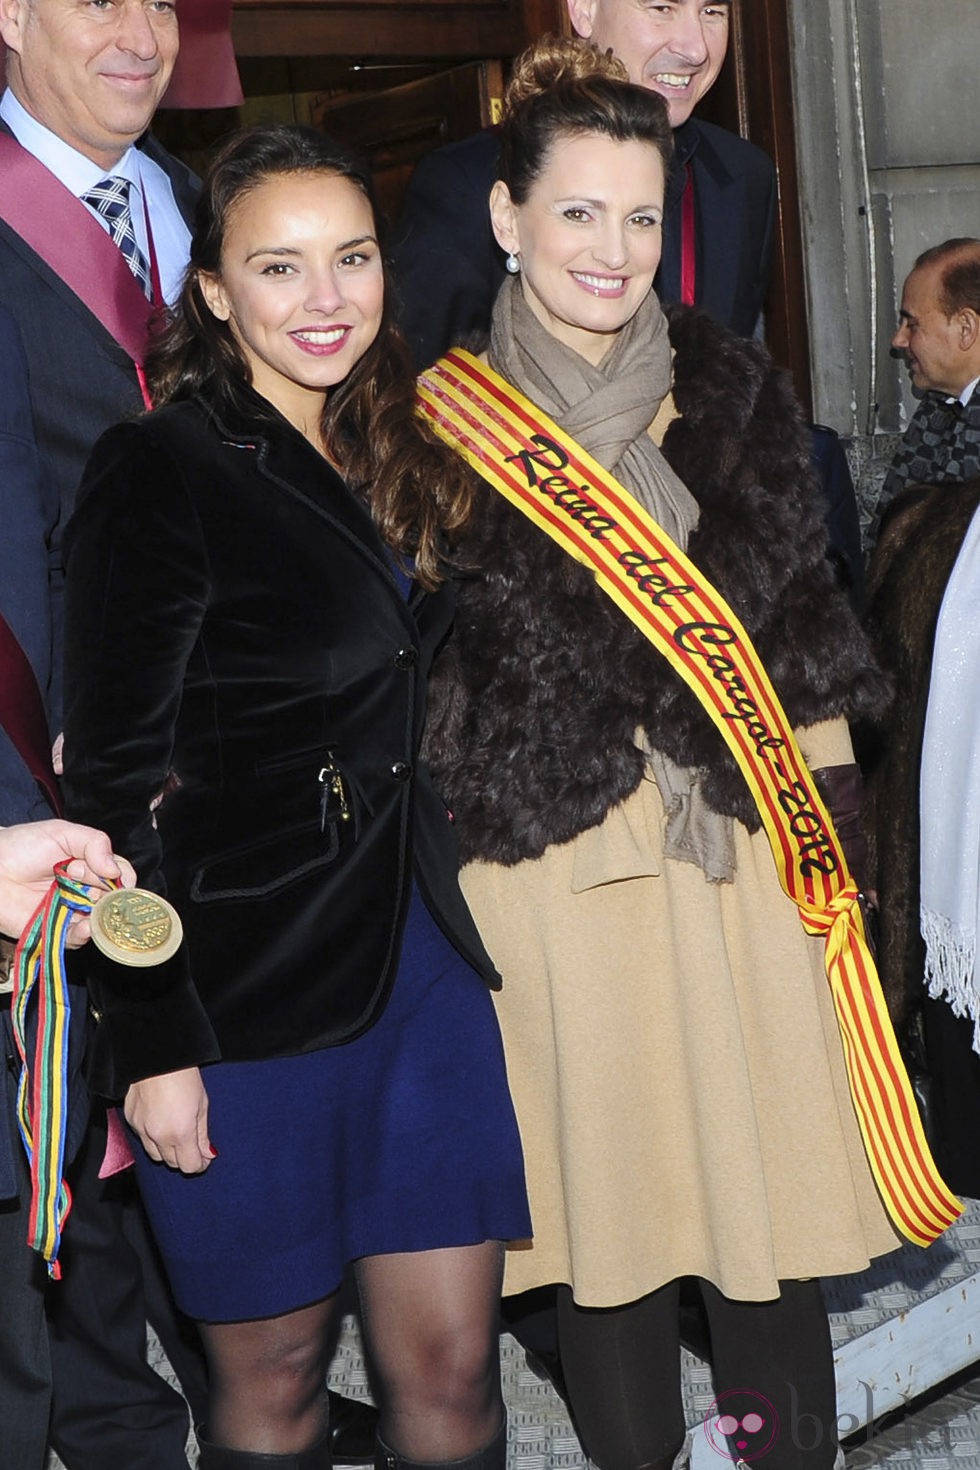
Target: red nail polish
x: 214, y: 1151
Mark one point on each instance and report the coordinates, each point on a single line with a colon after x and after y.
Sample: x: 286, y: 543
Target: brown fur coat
x: 536, y: 700
x: 919, y: 542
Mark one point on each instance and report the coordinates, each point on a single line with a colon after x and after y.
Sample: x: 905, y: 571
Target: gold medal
x: 136, y: 927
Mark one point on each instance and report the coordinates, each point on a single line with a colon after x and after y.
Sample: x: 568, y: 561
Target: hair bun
x: 556, y: 59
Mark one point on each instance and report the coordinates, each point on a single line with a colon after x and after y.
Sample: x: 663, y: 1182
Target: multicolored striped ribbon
x: 42, y: 1093
x: 530, y: 460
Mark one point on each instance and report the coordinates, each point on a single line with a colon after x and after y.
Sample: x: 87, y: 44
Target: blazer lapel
x: 58, y: 229
x: 720, y: 205
x: 294, y: 466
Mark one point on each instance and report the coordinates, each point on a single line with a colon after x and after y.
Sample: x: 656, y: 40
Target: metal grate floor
x: 908, y: 1379
x: 940, y: 1431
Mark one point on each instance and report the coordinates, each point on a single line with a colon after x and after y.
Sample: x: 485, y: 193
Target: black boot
x: 352, y: 1429
x: 492, y: 1457
x: 217, y: 1457
x: 351, y: 1434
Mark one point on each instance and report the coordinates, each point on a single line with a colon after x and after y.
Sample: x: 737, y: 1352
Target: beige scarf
x: 608, y: 409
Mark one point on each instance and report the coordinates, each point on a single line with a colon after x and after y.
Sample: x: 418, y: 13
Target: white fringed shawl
x: 949, y: 793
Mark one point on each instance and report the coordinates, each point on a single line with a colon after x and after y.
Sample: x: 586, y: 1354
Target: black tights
x: 622, y: 1367
x: 430, y: 1324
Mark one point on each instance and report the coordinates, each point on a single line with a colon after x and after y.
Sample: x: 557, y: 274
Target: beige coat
x: 676, y: 1066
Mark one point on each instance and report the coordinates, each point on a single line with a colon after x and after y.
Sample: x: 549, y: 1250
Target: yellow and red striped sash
x: 569, y: 496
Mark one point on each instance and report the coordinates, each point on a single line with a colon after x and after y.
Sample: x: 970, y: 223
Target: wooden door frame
x: 390, y: 29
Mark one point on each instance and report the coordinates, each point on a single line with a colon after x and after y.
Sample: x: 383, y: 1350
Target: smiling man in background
x: 83, y: 82
x: 721, y: 194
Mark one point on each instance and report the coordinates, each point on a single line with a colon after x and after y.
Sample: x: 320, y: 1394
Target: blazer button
x: 401, y: 770
x: 406, y: 658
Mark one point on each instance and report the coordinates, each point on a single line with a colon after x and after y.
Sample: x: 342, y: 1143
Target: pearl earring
x: 513, y: 263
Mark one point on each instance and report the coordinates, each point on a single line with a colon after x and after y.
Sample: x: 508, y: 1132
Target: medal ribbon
x: 42, y: 1093
x: 567, y: 494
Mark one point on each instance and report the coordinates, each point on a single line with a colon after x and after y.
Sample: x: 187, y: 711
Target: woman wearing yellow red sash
x: 671, y: 1039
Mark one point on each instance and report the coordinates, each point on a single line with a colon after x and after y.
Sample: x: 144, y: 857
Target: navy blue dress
x: 402, y: 1140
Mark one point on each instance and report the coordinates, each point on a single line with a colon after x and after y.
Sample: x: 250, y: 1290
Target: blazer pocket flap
x: 263, y: 868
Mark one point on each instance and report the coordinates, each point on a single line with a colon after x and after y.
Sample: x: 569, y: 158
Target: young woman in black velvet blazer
x: 254, y: 600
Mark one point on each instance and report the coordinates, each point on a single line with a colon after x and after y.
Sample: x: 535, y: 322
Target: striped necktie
x: 110, y: 199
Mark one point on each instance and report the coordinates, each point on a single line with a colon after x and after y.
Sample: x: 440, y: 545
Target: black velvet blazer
x: 234, y: 627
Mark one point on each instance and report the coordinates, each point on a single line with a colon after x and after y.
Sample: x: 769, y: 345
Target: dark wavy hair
x: 562, y: 87
x: 416, y: 488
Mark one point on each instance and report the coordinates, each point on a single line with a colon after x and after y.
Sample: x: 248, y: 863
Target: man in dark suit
x: 449, y: 268
x: 24, y: 1354
x: 79, y: 97
x: 80, y: 92
x: 83, y: 83
x: 26, y: 510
